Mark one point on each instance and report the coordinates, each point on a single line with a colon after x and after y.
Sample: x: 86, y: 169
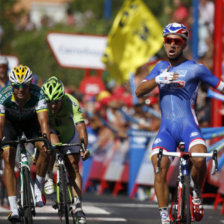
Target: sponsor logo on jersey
x: 194, y: 134
x: 158, y: 140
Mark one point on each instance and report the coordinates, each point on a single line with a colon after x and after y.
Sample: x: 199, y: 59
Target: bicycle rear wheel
x: 28, y: 206
x: 63, y: 206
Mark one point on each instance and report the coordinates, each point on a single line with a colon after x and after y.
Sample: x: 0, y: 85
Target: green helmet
x: 53, y: 89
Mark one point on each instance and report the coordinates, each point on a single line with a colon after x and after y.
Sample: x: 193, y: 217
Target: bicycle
x: 3, y: 195
x: 181, y: 209
x: 26, y: 198
x: 64, y: 197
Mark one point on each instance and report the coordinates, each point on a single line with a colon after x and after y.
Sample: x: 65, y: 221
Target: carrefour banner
x: 77, y: 50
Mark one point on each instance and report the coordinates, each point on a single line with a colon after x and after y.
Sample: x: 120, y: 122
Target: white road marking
x: 88, y: 209
x: 105, y: 219
x: 134, y: 205
x: 3, y: 209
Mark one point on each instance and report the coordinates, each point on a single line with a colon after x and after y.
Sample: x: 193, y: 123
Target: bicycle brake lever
x: 47, y: 144
x: 214, y: 162
x: 83, y: 149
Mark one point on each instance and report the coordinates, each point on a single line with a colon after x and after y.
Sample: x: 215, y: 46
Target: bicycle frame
x: 24, y: 164
x: 2, y: 184
x: 64, y: 196
x: 60, y: 163
x: 183, y: 188
x: 183, y: 211
x: 27, y: 201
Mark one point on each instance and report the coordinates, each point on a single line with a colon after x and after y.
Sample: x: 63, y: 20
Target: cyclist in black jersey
x: 23, y: 109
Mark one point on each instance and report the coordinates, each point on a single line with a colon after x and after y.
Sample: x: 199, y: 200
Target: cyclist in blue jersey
x: 23, y: 109
x: 178, y: 80
x: 4, y: 66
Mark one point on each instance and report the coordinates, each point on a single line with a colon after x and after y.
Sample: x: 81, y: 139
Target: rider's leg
x: 41, y: 166
x: 49, y: 184
x: 161, y: 187
x: 198, y: 174
x: 49, y: 179
x: 72, y: 164
x: 9, y: 154
x: 198, y: 171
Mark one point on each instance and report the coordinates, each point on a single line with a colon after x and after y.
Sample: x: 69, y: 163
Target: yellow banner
x: 135, y: 36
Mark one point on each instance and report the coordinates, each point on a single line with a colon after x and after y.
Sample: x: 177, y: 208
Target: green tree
x: 7, y: 21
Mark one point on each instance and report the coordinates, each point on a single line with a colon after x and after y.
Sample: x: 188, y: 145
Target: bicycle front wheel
x: 27, y: 197
x: 64, y: 207
x: 186, y: 187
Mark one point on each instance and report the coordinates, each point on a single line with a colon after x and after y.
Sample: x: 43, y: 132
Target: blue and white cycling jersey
x: 177, y: 101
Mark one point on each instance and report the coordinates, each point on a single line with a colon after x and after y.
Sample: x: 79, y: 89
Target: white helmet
x: 3, y: 60
x: 20, y: 75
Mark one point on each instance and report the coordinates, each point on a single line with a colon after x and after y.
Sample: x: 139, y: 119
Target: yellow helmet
x: 20, y: 75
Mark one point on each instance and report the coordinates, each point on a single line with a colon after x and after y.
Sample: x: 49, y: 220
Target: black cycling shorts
x: 14, y: 129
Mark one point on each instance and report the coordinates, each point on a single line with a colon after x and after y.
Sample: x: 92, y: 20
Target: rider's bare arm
x: 43, y: 121
x: 145, y: 87
x: 81, y: 128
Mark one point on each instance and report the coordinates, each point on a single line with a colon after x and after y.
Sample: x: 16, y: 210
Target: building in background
x: 41, y: 11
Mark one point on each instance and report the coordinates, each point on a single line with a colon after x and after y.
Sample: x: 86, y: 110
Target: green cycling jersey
x: 64, y: 121
x: 10, y: 108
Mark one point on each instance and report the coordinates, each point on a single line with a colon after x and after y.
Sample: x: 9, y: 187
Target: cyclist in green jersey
x: 67, y: 126
x: 23, y: 109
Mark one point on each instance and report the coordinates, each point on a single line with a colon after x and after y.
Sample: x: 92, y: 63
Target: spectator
x: 180, y: 14
x: 70, y: 18
x: 206, y: 28
x: 4, y: 80
x: 206, y: 14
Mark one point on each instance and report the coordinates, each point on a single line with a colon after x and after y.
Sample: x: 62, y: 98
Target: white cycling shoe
x: 49, y: 187
x: 80, y: 217
x: 165, y: 219
x: 38, y: 194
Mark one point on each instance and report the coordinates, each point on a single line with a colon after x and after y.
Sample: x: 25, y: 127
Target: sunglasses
x: 18, y: 86
x: 177, y: 41
x: 53, y: 101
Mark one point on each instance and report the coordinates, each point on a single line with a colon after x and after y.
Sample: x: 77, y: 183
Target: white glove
x: 165, y: 77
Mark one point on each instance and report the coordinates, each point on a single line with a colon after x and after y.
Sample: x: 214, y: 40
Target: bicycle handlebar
x: 24, y: 140
x: 61, y: 145
x: 212, y: 155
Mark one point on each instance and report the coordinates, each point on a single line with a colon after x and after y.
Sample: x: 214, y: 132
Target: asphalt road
x: 108, y: 209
